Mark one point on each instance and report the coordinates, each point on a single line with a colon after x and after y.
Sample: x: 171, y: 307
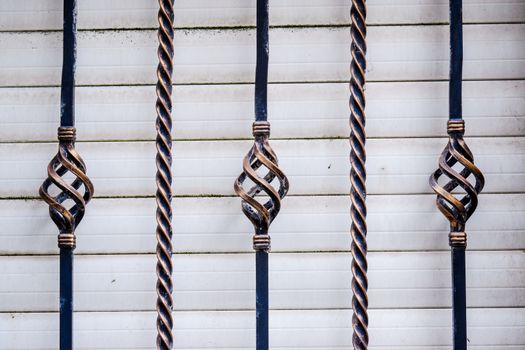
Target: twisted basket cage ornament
x: 457, y: 181
x: 358, y: 211
x: 457, y: 210
x: 67, y: 188
x: 79, y: 191
x: 261, y: 156
x: 261, y: 200
x: 261, y: 212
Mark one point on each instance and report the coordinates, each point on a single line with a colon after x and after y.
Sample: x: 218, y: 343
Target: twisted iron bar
x: 164, y: 177
x: 358, y: 176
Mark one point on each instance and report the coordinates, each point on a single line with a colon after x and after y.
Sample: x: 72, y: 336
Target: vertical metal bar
x: 164, y: 177
x: 261, y: 66
x: 261, y: 211
x: 358, y: 210
x: 457, y: 196
x: 79, y: 191
x: 67, y: 93
x: 456, y: 59
x: 261, y: 114
x: 261, y: 300
x: 66, y: 298
x: 67, y: 119
x: 459, y: 299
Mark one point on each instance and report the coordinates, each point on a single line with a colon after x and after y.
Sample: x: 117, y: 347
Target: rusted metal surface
x: 358, y: 229
x: 164, y: 177
x: 457, y: 181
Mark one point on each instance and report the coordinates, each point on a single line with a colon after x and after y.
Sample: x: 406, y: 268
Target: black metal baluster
x: 68, y: 206
x: 261, y: 211
x: 457, y: 198
x: 358, y: 229
x: 164, y: 176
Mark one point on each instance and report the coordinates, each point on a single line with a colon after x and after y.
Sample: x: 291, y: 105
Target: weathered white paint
x: 395, y: 166
x: 96, y: 14
x: 428, y: 329
x: 492, y: 108
x: 297, y: 55
x: 298, y: 281
x: 395, y: 223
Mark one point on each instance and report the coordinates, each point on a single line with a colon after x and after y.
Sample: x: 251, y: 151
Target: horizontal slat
x: 297, y: 55
x: 492, y: 108
x: 298, y: 281
x: 96, y: 14
x: 400, y: 166
x: 319, y: 330
x: 305, y: 224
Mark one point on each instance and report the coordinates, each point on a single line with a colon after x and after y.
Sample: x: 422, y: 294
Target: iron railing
x: 164, y: 177
x: 66, y: 198
x: 262, y: 184
x: 358, y: 228
x: 457, y: 196
x: 261, y: 211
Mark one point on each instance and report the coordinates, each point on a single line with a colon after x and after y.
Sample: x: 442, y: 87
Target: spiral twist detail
x: 457, y: 207
x: 79, y: 191
x: 358, y: 175
x: 261, y: 214
x: 164, y: 176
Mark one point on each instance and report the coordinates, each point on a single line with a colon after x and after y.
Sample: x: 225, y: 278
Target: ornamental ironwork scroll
x: 358, y: 209
x: 261, y: 199
x: 164, y: 176
x: 67, y: 198
x: 457, y: 181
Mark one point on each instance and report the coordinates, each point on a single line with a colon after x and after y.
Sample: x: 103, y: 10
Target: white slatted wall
x: 214, y: 267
